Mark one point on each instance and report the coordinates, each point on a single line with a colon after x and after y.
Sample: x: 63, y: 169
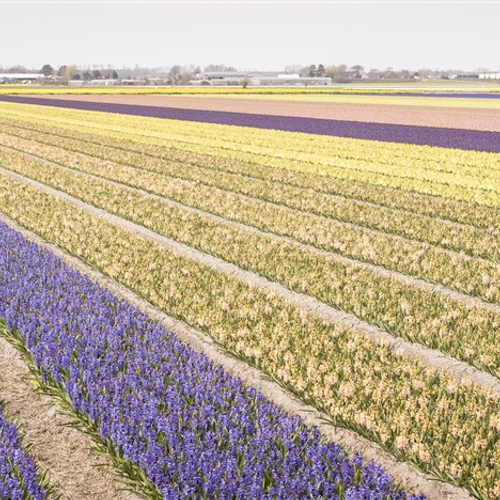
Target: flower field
x: 18, y: 476
x: 482, y: 140
x: 361, y: 276
x: 156, y: 404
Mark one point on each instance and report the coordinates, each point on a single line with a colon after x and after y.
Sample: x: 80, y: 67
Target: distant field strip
x: 172, y: 159
x: 353, y: 379
x: 431, y: 136
x: 401, y: 98
x: 473, y: 96
x: 427, y: 116
x: 341, y: 207
x: 425, y: 170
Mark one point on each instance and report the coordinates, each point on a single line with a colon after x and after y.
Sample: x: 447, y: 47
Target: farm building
x: 20, y: 77
x: 490, y: 75
x: 272, y: 78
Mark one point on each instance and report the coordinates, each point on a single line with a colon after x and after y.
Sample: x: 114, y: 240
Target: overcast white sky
x: 252, y: 36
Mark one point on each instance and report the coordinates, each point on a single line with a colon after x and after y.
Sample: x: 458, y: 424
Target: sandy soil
x: 60, y: 450
x: 458, y: 118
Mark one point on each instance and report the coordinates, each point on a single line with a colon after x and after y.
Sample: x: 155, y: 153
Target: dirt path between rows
x: 62, y: 451
x: 427, y: 116
x: 404, y: 474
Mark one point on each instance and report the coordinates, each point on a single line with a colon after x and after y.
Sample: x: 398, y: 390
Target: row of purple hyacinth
x: 476, y: 140
x: 195, y: 431
x: 18, y: 477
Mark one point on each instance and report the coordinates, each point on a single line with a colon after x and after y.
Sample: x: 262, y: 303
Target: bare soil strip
x: 404, y: 474
x: 429, y: 116
x: 462, y: 372
x: 409, y: 280
x: 464, y: 139
x: 62, y: 451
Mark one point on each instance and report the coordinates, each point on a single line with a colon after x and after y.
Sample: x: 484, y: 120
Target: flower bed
x: 194, y: 431
x: 18, y: 476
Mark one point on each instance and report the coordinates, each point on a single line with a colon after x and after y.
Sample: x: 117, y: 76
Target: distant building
x: 93, y: 83
x: 490, y: 75
x: 257, y: 78
x: 468, y: 75
x: 20, y: 77
x: 220, y: 78
x: 104, y: 82
x: 133, y: 81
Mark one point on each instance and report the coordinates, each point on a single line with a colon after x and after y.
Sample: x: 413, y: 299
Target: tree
x: 321, y: 70
x: 219, y: 67
x: 374, y: 74
x: 312, y: 70
x: 96, y: 74
x: 68, y: 73
x: 115, y: 75
x: 389, y: 74
x: 245, y: 81
x: 404, y: 74
x: 185, y: 77
x: 47, y: 70
x: 294, y: 68
x: 17, y: 69
x: 175, y: 74
x: 357, y: 70
x: 338, y: 73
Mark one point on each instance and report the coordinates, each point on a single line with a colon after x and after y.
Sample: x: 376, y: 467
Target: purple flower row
x: 476, y: 140
x: 18, y: 477
x: 195, y: 431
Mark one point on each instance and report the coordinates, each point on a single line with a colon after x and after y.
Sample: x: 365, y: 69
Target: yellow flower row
x: 475, y: 177
x: 473, y: 241
x: 446, y: 428
x: 454, y: 269
x: 395, y: 153
x: 17, y: 89
x: 148, y: 156
x: 470, y: 240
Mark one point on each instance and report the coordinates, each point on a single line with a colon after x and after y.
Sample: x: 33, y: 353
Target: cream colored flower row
x: 144, y: 155
x: 473, y: 241
x: 448, y: 429
x: 467, y: 333
x: 475, y: 276
x: 351, y: 162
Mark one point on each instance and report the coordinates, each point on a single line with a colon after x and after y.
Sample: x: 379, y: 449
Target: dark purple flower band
x: 409, y: 134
